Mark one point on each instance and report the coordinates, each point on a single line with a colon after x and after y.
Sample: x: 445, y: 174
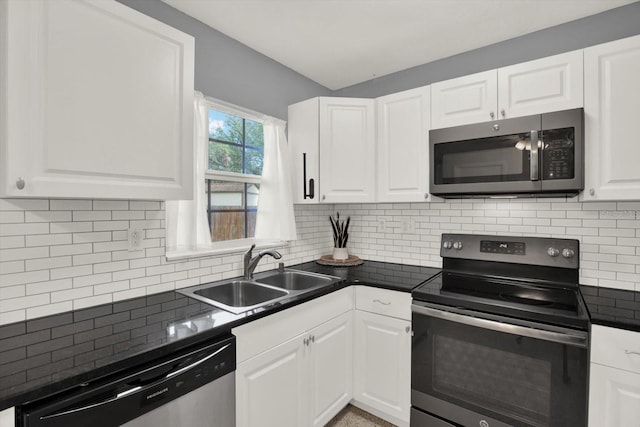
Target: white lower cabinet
x: 300, y: 380
x: 614, y: 396
x: 614, y: 381
x: 382, y: 356
x: 7, y: 418
x: 330, y: 367
x: 382, y: 366
x: 270, y: 388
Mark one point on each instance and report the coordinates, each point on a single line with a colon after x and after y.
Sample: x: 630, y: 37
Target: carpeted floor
x: 355, y: 417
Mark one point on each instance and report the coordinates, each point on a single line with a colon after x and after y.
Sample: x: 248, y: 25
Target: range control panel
x: 521, y: 250
x: 502, y: 247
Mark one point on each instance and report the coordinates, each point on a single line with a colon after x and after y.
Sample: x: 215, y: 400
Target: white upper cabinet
x: 612, y: 108
x: 303, y: 132
x: 549, y: 84
x: 403, y: 146
x: 333, y: 141
x: 468, y: 99
x: 347, y: 150
x: 96, y: 100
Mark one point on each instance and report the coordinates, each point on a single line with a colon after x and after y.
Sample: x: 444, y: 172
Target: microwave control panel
x: 558, y: 154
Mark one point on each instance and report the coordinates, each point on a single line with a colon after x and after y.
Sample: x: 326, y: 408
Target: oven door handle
x: 576, y: 339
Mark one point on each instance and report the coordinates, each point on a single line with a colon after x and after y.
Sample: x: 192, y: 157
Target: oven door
x: 484, y: 371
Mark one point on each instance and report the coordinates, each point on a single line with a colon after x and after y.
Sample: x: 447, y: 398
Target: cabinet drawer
x: 383, y: 301
x: 617, y: 348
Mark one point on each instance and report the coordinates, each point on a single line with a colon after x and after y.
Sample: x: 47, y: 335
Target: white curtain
x: 187, y: 226
x: 275, y: 219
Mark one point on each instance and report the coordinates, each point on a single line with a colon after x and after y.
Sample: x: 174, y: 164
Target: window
x: 232, y: 179
x: 223, y: 215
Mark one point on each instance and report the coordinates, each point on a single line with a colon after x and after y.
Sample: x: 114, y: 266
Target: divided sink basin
x: 295, y: 280
x: 242, y: 295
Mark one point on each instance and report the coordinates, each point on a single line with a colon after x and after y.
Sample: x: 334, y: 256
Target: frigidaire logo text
x: 157, y: 393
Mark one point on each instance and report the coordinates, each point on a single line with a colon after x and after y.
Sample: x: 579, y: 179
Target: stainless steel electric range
x: 501, y: 335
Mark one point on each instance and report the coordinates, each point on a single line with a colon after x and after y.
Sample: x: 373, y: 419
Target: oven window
x: 518, y: 380
x: 497, y: 380
x: 495, y: 159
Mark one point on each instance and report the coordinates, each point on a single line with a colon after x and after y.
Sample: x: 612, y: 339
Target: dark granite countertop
x: 385, y: 275
x: 48, y: 355
x: 612, y: 307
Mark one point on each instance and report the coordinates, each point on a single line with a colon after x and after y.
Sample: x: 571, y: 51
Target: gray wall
x: 601, y: 28
x: 233, y: 72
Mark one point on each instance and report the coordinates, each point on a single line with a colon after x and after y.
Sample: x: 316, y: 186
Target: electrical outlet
x: 135, y: 239
x: 382, y: 226
x: 407, y: 225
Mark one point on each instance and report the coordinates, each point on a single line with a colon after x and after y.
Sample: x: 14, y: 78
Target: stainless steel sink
x: 236, y: 296
x: 241, y: 295
x: 295, y: 280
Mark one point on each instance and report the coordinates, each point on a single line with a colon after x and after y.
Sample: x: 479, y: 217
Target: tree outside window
x: 235, y: 159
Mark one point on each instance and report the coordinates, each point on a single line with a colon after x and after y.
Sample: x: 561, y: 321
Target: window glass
x: 236, y: 144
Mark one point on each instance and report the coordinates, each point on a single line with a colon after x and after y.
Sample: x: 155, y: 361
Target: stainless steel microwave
x: 541, y: 155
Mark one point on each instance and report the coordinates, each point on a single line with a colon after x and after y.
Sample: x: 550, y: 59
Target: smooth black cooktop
x: 559, y: 304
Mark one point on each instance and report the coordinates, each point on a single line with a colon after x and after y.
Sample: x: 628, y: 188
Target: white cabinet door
x: 614, y: 397
x: 382, y: 365
x: 7, y: 417
x: 549, y: 84
x: 304, y: 137
x: 611, y: 107
x: 271, y: 388
x: 97, y: 100
x: 464, y: 100
x: 331, y: 368
x: 347, y: 150
x: 403, y: 146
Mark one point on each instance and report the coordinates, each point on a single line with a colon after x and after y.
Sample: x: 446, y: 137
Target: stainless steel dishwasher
x: 195, y: 388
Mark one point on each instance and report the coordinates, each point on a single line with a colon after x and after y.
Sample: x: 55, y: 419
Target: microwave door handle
x: 534, y: 156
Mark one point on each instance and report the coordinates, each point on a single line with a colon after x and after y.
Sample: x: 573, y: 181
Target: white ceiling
x: 339, y: 43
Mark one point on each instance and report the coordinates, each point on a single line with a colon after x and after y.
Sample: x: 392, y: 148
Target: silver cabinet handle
x: 20, y: 183
x: 492, y: 115
x: 381, y: 302
x: 305, y: 342
x: 592, y: 192
x: 426, y: 195
x: 407, y: 329
x: 503, y: 113
x: 324, y: 197
x: 635, y: 353
x: 313, y: 338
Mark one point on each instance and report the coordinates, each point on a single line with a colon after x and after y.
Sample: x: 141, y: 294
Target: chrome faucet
x: 250, y: 261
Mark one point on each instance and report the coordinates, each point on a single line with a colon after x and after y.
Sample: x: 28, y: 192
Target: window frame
x: 226, y: 247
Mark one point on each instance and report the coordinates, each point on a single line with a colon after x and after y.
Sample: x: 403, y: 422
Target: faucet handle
x: 249, y: 252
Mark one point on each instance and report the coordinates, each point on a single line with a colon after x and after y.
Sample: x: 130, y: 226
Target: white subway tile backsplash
x: 23, y: 253
x: 24, y: 229
x: 93, y: 235
x: 11, y: 217
x: 47, y: 263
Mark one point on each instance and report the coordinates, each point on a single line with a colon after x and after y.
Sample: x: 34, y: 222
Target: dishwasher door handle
x: 138, y: 389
